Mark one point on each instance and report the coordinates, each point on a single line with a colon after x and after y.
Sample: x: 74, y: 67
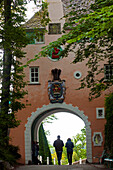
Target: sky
x: 67, y: 125
x: 31, y: 9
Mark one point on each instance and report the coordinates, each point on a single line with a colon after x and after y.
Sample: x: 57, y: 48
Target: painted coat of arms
x: 55, y: 54
x: 56, y: 88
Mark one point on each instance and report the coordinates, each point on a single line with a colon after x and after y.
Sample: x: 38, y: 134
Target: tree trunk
x: 7, y: 59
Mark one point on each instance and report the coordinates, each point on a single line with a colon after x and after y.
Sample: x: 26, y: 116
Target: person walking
x: 58, y: 144
x: 69, y: 145
x: 35, y: 153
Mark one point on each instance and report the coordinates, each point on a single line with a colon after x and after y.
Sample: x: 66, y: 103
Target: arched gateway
x: 53, y: 79
x: 41, y: 113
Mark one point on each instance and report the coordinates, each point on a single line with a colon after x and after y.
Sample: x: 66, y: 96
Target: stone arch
x: 47, y: 110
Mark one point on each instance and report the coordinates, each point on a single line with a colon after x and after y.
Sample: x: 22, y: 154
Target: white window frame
x: 97, y: 113
x: 35, y: 82
x: 40, y: 42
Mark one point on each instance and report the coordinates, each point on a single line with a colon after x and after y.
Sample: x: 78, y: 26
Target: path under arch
x: 63, y: 167
x: 41, y: 113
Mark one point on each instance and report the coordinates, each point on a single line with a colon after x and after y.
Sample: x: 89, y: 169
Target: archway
x: 41, y: 113
x: 65, y: 124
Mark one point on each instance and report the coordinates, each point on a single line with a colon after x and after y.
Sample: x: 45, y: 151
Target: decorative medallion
x: 97, y: 139
x: 56, y: 87
x: 77, y: 74
x: 54, y: 54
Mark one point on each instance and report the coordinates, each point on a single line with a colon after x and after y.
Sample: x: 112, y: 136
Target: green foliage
x: 13, y: 40
x: 44, y: 150
x: 49, y: 119
x: 80, y: 145
x: 9, y: 154
x: 109, y: 124
x: 93, y: 35
x: 64, y: 156
x: 75, y: 157
x: 12, y: 14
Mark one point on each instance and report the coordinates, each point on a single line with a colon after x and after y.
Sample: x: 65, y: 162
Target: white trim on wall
x: 51, y: 109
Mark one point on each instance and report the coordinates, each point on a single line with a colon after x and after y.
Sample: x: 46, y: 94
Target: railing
x: 81, y: 161
x: 108, y: 162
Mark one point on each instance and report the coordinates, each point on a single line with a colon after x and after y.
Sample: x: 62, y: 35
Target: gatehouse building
x: 52, y: 83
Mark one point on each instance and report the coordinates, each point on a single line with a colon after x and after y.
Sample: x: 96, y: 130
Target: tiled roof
x: 80, y: 4
x: 35, y: 21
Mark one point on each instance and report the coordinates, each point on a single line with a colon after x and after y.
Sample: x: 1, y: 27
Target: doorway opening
x: 37, y: 117
x: 67, y: 125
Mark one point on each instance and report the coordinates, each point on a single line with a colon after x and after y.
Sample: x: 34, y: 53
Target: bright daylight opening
x: 67, y: 126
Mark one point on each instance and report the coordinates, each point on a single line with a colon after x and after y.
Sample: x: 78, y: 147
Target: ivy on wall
x: 109, y: 124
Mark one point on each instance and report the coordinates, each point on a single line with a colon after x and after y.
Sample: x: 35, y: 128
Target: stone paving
x: 64, y: 167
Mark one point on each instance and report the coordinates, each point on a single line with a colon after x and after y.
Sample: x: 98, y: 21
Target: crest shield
x: 56, y: 87
x: 56, y: 91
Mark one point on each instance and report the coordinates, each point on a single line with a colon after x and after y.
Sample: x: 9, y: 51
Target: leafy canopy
x: 13, y: 39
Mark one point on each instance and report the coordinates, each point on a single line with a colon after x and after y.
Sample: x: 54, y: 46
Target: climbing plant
x: 109, y: 124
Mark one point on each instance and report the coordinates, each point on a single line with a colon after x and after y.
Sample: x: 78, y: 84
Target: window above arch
x: 34, y: 75
x: 54, y: 28
x: 100, y: 113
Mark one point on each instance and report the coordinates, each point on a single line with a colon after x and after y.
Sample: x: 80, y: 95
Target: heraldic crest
x: 56, y: 87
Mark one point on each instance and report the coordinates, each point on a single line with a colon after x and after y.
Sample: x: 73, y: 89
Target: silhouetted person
x: 58, y: 144
x: 69, y: 145
x: 35, y: 153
